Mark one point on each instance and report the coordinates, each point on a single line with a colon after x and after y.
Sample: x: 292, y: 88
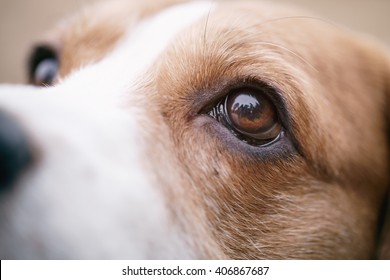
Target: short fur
x: 320, y: 199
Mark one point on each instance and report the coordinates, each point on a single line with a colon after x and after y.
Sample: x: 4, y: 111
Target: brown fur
x: 322, y: 199
x: 90, y: 34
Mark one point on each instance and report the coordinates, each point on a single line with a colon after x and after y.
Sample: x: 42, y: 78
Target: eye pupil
x: 46, y: 72
x: 250, y: 113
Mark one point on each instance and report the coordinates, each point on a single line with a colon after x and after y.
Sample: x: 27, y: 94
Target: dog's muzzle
x: 15, y: 152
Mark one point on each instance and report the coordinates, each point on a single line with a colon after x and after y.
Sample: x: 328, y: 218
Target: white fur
x: 89, y: 195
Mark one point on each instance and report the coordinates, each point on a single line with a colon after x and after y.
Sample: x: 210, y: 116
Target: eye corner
x: 42, y: 65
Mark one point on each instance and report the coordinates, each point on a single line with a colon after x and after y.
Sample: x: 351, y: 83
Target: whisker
x: 290, y: 51
x: 300, y: 17
x: 207, y: 22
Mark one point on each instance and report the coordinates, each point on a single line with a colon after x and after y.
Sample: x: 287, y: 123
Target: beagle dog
x: 207, y: 130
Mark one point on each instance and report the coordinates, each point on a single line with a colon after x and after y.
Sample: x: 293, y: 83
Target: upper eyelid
x: 274, y: 94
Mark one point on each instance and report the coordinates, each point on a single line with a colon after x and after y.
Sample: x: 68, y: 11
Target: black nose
x: 15, y: 153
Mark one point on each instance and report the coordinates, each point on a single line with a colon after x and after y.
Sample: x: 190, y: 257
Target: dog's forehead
x: 91, y: 34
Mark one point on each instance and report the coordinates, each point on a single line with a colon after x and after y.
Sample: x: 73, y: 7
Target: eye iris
x: 250, y: 112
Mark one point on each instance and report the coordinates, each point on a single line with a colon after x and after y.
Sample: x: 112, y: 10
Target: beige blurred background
x: 23, y: 21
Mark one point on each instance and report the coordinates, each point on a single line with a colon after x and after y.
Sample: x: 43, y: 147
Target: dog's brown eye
x: 250, y: 114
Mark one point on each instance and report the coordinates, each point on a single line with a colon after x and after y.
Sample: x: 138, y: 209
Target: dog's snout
x: 15, y: 152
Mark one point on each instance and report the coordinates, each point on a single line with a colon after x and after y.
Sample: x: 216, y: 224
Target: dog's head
x: 197, y: 130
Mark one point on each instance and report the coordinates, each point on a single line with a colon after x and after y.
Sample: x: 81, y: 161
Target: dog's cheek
x: 316, y: 221
x: 271, y: 209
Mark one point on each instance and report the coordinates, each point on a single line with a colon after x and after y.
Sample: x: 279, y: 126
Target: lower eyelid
x: 279, y: 148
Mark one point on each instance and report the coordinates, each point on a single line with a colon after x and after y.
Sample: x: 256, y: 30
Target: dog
x: 197, y: 130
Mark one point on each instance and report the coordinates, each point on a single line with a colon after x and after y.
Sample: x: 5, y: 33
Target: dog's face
x: 196, y: 130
